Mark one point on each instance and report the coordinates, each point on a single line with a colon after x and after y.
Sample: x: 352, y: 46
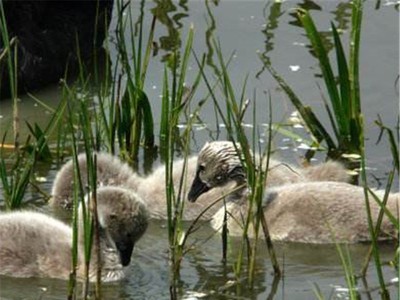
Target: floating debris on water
x: 304, y: 146
x: 298, y: 44
x: 351, y: 156
x: 294, y: 68
x: 199, y: 127
x: 390, y: 3
x: 41, y: 179
x: 193, y: 295
x: 194, y: 126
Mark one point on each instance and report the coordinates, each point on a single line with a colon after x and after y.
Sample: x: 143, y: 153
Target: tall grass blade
x: 173, y: 104
x: 356, y: 18
x: 233, y: 122
x: 11, y: 56
x: 345, y: 117
x: 384, y: 211
x: 392, y: 141
x: 313, y: 124
x: 374, y: 244
x: 350, y: 277
x: 323, y: 59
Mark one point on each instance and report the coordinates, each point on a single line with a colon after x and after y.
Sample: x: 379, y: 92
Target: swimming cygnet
x: 153, y: 189
x: 36, y: 245
x: 309, y: 212
x: 111, y: 171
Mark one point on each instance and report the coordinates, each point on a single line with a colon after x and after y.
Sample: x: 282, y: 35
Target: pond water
x: 204, y: 276
x: 247, y: 28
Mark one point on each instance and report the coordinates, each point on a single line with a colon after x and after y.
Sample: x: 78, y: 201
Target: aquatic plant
x: 131, y: 110
x: 344, y: 108
x: 232, y: 117
x: 15, y: 179
x: 9, y: 53
x: 90, y: 220
x: 116, y: 117
x: 351, y: 281
x: 174, y: 100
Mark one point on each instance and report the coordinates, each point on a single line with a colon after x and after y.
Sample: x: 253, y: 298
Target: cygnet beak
x: 198, y: 187
x: 125, y: 249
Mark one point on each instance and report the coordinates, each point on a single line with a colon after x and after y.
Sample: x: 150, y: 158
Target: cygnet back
x: 280, y: 173
x: 153, y: 190
x: 34, y: 245
x: 111, y: 171
x: 314, y: 212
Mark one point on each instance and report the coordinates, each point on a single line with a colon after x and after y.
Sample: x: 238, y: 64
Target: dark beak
x: 198, y: 187
x: 125, y: 249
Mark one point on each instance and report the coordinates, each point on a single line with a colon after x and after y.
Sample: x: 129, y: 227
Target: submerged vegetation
x: 112, y: 112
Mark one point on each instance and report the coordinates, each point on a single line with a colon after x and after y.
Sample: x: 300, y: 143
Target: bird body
x: 41, y: 256
x: 304, y: 211
x: 153, y: 189
x: 33, y: 244
x: 312, y: 212
x: 112, y: 171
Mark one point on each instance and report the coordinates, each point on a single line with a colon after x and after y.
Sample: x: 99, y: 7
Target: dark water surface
x: 247, y: 28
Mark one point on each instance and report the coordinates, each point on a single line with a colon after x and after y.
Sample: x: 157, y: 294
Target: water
x: 204, y: 273
x: 241, y: 27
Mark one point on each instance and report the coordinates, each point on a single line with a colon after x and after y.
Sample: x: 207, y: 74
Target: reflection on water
x: 169, y: 14
x: 246, y: 28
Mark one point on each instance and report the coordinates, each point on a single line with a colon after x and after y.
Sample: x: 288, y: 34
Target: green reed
x: 383, y: 212
x: 393, y: 143
x: 10, y: 53
x: 131, y: 108
x: 344, y: 108
x: 84, y: 211
x: 345, y: 116
x: 173, y: 104
x: 233, y: 117
x: 351, y: 281
x: 374, y: 228
x: 15, y: 179
x: 84, y: 132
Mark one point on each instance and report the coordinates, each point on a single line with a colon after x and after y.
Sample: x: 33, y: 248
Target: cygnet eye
x: 218, y: 177
x: 201, y: 168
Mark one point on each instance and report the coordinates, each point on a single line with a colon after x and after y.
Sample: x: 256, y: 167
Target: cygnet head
x: 123, y: 219
x: 218, y: 164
